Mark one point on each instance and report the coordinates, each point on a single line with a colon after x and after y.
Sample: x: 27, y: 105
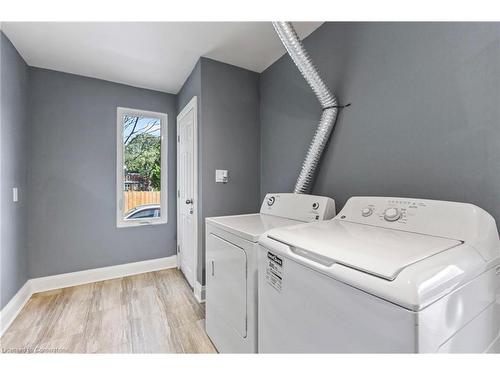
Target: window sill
x: 140, y: 223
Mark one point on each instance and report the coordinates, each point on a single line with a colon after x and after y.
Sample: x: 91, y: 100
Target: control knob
x: 367, y: 211
x: 392, y: 214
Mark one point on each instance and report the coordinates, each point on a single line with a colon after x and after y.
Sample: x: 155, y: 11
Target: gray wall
x: 230, y: 134
x: 425, y: 115
x: 190, y: 88
x: 229, y: 138
x: 72, y: 223
x: 13, y: 160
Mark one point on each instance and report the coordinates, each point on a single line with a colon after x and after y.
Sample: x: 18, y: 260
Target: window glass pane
x: 143, y: 214
x: 141, y: 166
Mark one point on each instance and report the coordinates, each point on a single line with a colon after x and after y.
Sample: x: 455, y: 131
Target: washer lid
x: 250, y: 226
x: 378, y: 251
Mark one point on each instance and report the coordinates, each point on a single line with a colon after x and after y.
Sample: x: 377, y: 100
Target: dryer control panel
x: 302, y: 207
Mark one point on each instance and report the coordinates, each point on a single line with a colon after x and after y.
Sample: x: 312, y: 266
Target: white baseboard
x: 14, y: 307
x: 199, y: 292
x: 43, y: 284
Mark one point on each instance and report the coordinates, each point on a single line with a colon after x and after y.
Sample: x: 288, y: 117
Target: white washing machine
x: 385, y: 275
x: 231, y: 265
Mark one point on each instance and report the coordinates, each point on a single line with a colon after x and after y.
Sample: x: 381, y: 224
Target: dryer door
x: 227, y: 284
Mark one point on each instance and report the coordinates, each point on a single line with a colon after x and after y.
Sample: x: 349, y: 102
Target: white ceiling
x: 153, y: 55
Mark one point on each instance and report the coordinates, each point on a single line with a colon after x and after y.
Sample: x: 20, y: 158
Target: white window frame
x: 163, y: 218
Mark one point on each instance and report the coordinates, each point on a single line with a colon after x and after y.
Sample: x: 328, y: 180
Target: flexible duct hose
x: 327, y: 99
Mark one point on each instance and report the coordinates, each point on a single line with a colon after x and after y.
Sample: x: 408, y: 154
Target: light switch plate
x: 221, y: 176
x: 15, y: 194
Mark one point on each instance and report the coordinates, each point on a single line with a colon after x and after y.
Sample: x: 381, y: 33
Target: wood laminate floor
x: 153, y: 312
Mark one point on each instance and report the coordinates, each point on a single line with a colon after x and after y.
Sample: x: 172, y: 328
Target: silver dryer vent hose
x: 327, y: 99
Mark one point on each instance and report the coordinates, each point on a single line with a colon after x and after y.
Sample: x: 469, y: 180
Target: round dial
x: 392, y: 214
x: 367, y: 211
x: 270, y: 201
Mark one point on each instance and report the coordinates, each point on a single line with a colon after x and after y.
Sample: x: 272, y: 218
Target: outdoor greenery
x: 142, y: 155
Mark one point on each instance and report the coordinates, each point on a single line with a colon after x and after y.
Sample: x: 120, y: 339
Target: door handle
x: 213, y: 268
x: 189, y: 201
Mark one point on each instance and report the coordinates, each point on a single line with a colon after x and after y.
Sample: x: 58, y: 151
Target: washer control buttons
x: 270, y: 201
x: 392, y: 214
x: 367, y: 211
x: 315, y: 205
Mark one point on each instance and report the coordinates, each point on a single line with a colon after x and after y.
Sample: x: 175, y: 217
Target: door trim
x: 192, y: 105
x: 199, y: 292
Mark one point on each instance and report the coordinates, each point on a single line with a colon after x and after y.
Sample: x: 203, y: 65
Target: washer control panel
x: 376, y: 210
x: 440, y: 218
x: 301, y: 207
x: 460, y: 221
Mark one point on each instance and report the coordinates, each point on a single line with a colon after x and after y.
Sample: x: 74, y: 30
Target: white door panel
x: 186, y: 191
x: 227, y: 284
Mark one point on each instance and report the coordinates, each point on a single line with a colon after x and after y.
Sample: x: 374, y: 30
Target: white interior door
x: 187, y: 205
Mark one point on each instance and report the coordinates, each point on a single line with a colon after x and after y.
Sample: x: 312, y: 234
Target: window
x: 141, y: 176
